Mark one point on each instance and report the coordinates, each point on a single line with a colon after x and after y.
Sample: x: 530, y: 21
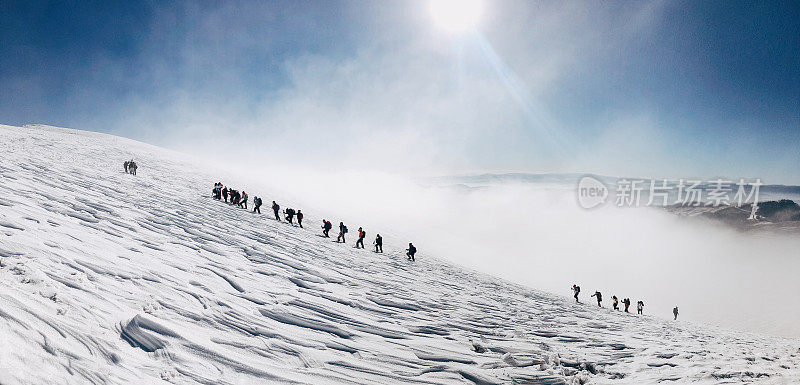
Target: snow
x: 114, y: 278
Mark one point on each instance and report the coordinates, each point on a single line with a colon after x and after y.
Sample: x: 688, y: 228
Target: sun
x: 456, y: 16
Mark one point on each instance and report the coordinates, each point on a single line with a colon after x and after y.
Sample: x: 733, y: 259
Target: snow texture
x: 111, y: 278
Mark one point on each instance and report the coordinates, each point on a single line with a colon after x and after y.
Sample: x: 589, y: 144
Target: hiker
x: 361, y: 235
x: 627, y: 303
x: 639, y: 307
x: 235, y: 197
x: 378, y: 244
x: 410, y: 251
x: 615, y: 302
x: 300, y: 218
x: 276, y: 208
x: 599, y: 298
x: 218, y: 190
x: 342, y: 232
x: 326, y: 227
x: 289, y: 215
x: 132, y: 167
x: 577, y: 290
x: 225, y: 194
x: 257, y: 205
x: 675, y: 312
x: 243, y: 202
x: 125, y: 165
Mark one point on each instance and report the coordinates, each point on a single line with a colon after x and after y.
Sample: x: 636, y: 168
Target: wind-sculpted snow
x: 110, y: 278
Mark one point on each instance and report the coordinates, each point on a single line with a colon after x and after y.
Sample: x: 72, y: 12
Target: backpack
x: 344, y: 230
x: 577, y: 289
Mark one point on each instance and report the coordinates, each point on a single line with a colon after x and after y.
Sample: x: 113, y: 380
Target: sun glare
x: 456, y: 16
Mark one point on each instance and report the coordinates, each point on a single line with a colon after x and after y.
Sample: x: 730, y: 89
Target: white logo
x: 591, y: 192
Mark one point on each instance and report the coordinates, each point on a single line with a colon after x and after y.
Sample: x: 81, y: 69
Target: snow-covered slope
x: 113, y: 278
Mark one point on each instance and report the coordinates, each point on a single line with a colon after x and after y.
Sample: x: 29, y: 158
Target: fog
x: 538, y: 236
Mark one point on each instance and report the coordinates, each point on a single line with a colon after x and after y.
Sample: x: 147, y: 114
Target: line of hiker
x: 289, y: 214
x: 232, y: 196
x: 378, y: 242
x: 615, y: 301
x: 130, y: 167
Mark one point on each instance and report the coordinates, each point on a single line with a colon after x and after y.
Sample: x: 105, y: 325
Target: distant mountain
x: 781, y: 216
x: 767, y: 192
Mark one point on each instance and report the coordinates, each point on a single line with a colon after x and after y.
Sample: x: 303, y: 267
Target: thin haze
x: 337, y: 103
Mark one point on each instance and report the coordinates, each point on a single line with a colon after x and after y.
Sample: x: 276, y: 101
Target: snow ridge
x: 111, y: 278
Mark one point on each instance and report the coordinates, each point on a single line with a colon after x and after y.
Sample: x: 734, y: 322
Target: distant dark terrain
x: 782, y: 215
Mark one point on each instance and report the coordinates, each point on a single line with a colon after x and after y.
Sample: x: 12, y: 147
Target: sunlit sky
x: 662, y: 89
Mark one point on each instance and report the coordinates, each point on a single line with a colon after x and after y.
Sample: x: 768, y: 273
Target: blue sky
x: 672, y: 89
